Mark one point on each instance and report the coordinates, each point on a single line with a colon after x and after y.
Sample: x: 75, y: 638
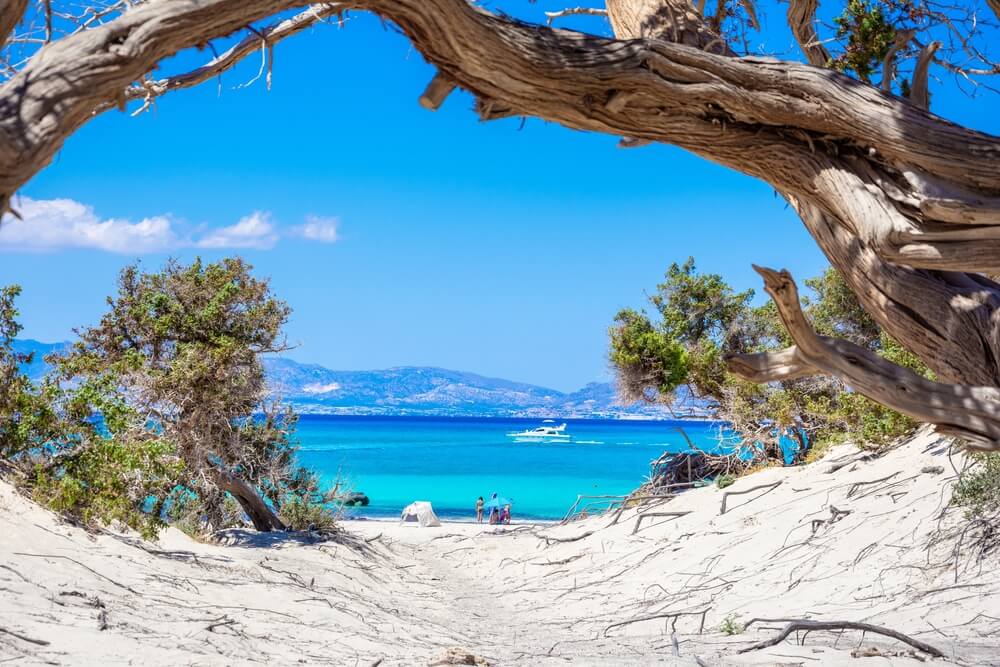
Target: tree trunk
x: 263, y: 517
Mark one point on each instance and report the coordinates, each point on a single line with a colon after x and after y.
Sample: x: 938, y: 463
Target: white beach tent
x: 421, y: 511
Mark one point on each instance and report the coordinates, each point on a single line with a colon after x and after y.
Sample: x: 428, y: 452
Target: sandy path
x: 403, y: 595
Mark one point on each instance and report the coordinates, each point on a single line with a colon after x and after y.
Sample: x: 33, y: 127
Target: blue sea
x: 452, y: 461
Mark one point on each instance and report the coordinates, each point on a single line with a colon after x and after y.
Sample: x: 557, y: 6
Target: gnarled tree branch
x: 971, y: 413
x: 68, y: 80
x: 919, y: 93
x: 11, y: 13
x: 902, y: 38
x: 260, y: 38
x: 801, y: 17
x: 574, y: 11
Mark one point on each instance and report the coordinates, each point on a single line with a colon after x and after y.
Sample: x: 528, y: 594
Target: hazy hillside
x: 420, y: 391
x: 438, y: 391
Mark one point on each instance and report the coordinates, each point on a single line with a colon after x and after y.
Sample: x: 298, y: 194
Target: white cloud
x: 323, y: 230
x: 64, y: 223
x: 252, y: 231
x: 54, y: 224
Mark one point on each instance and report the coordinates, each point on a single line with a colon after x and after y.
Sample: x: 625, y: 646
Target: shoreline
x: 452, y: 521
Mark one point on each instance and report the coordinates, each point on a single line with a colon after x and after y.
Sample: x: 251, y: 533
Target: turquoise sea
x: 452, y: 461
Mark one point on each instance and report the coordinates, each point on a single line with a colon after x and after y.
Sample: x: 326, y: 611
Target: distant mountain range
x: 420, y: 390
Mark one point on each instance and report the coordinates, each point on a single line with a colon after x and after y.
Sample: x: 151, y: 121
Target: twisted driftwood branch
x: 971, y: 413
x: 805, y: 624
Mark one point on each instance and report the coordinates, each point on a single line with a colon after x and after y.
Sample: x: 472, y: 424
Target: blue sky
x: 435, y: 239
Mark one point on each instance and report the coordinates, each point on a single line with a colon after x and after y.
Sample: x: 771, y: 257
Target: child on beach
x: 479, y: 510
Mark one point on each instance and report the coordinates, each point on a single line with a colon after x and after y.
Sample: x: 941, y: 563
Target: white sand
x: 404, y: 594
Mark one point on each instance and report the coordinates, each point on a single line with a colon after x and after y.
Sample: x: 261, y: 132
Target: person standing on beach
x: 479, y: 510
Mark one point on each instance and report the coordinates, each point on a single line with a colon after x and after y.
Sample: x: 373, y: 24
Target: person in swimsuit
x: 479, y: 510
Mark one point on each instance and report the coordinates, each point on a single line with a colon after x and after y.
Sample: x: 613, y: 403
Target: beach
x: 387, y: 593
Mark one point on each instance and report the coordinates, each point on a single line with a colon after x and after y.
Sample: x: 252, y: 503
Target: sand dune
x: 403, y: 595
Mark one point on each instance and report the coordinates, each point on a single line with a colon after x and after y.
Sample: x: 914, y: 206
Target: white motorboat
x: 547, y: 432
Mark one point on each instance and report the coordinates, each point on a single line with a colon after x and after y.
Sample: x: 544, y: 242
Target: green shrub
x: 108, y: 482
x: 731, y: 626
x: 722, y: 481
x: 303, y: 514
x: 186, y: 514
x: 978, y: 490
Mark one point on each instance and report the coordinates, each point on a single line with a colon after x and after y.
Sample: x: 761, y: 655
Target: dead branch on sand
x: 770, y: 487
x: 674, y: 615
x: 24, y: 638
x: 650, y: 515
x: 794, y: 624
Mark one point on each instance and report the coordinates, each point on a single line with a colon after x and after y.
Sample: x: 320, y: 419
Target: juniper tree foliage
x: 174, y: 366
x: 26, y: 415
x: 698, y: 320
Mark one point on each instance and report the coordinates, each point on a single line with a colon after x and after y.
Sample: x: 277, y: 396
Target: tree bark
x: 263, y: 517
x: 11, y: 13
x: 801, y: 17
x: 671, y: 20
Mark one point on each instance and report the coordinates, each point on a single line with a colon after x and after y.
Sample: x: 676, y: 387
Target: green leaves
x: 639, y: 350
x: 702, y: 319
x: 26, y: 417
x: 978, y: 489
x: 869, y: 37
x: 110, y: 480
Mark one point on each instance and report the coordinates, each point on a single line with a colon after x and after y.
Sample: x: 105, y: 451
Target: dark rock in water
x: 356, y: 498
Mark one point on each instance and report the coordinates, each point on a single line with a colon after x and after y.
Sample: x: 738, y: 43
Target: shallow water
x: 452, y: 461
